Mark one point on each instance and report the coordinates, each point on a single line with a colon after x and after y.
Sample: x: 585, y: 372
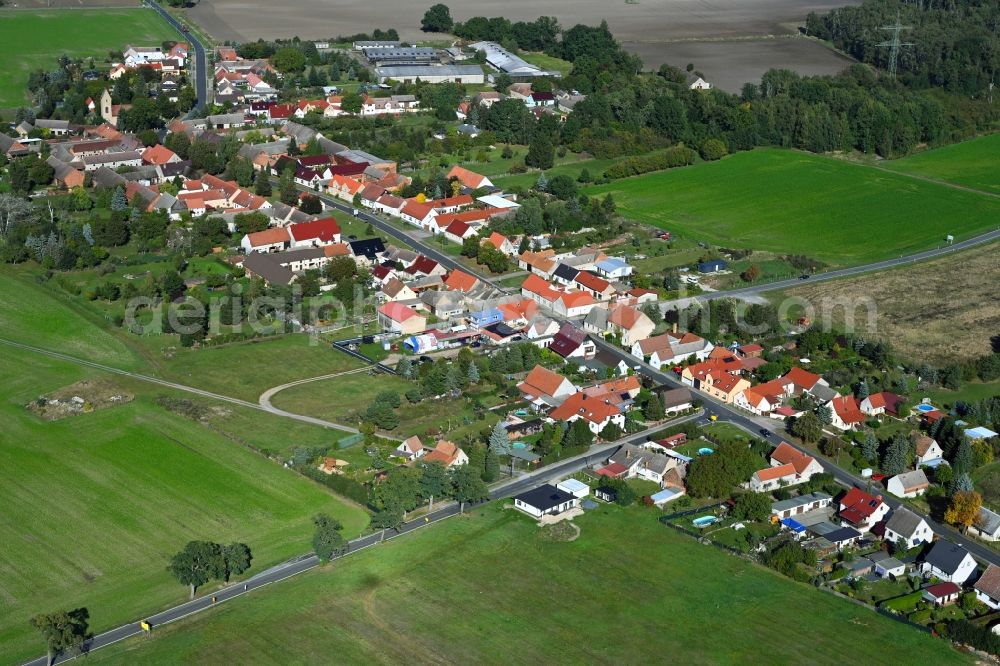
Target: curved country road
x: 265, y: 398
x: 179, y: 387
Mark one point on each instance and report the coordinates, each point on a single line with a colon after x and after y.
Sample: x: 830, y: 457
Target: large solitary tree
x: 437, y: 19
x: 62, y: 630
x: 327, y: 539
x: 198, y: 563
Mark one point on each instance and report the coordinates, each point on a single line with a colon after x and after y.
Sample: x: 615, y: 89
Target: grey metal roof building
x: 503, y: 60
x: 431, y: 73
x: 401, y: 55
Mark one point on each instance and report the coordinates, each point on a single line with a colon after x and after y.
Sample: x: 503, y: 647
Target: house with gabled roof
x: 845, y: 412
x: 771, y: 478
x: 719, y: 377
x: 987, y: 525
x: 860, y: 510
x: 458, y: 231
x: 501, y: 243
x: 448, y: 454
x: 459, y: 280
x: 949, y: 562
x: 416, y: 213
x: 597, y: 413
x: 539, y: 290
x: 596, y: 286
x: 573, y: 304
x: 398, y: 318
x: 316, y: 233
x: 798, y: 381
x: 928, y: 451
x: 908, y: 484
x: 988, y: 587
x: 395, y: 289
x: 468, y: 179
x: 572, y: 342
x: 878, y: 404
x: 540, y: 263
x: 544, y: 386
x: 907, y: 527
x: 630, y: 324
x: 275, y: 239
x: 805, y: 466
x: 683, y: 346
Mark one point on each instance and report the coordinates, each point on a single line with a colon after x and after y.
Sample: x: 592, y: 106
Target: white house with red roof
x: 398, y: 318
x: 268, y: 240
x: 458, y: 231
x: 468, y: 179
x: 846, y: 414
x: 860, y: 510
x: 544, y: 386
x: 597, y: 413
x: 501, y: 243
x: 789, y: 467
x: 574, y: 303
x: 416, y: 213
x: 878, y: 404
x: 316, y: 233
x: 805, y: 466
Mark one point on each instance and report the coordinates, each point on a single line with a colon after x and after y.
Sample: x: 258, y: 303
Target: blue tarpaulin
x: 793, y: 525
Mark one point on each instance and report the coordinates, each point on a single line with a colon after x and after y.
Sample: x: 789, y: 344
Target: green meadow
x: 36, y: 39
x: 95, y: 504
x: 488, y: 588
x: 974, y: 163
x: 791, y: 202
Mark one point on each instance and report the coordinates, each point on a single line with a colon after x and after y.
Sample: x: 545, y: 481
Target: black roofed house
x: 369, y: 248
x: 565, y: 274
x: 949, y: 562
x: 843, y: 537
x: 545, y: 500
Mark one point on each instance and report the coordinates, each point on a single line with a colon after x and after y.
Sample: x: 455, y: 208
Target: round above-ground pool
x: 925, y: 408
x: 519, y: 445
x: 704, y: 521
x: 521, y: 412
x: 704, y: 451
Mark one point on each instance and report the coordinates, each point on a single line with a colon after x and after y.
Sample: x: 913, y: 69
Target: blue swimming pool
x: 704, y: 521
x: 704, y: 451
x: 925, y: 408
x: 519, y: 445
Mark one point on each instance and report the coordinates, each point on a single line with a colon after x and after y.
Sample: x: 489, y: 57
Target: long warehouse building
x: 431, y: 73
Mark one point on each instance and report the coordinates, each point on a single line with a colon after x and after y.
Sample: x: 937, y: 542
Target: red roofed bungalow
x: 315, y: 233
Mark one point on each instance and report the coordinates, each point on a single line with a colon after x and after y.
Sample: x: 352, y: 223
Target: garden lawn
x: 36, y: 39
x: 973, y: 163
x: 94, y: 505
x: 487, y: 589
x: 791, y: 202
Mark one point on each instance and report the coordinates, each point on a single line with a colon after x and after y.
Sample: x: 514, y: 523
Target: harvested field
x: 645, y: 22
x: 940, y: 311
x: 729, y: 64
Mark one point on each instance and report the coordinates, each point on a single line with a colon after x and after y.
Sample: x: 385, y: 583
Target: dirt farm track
x: 651, y: 28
